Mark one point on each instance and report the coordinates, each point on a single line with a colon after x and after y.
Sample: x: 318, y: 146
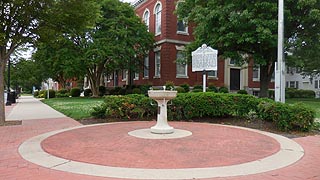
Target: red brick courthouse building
x: 171, y: 36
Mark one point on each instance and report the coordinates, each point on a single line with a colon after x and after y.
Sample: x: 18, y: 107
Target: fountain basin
x: 162, y: 94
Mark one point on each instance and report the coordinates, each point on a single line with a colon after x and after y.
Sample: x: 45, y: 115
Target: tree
x: 22, y: 22
x: 246, y: 30
x: 118, y: 40
x: 25, y: 74
x: 18, y: 19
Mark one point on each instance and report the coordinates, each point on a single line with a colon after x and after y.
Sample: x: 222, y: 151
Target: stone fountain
x: 162, y: 97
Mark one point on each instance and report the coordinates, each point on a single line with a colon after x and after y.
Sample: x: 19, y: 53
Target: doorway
x: 234, y: 79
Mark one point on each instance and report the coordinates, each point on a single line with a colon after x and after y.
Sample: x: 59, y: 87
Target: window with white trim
x: 146, y: 67
x: 292, y: 84
x: 136, y: 76
x: 157, y: 13
x: 182, y: 68
x: 146, y: 17
x: 317, y: 84
x: 256, y: 73
x: 182, y: 27
x: 212, y: 74
x: 124, y: 74
x: 157, y: 64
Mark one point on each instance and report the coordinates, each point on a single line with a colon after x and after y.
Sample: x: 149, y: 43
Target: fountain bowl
x: 162, y: 94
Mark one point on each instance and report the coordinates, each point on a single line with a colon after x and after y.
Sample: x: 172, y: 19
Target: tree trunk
x: 266, y: 72
x: 2, y: 108
x: 94, y: 82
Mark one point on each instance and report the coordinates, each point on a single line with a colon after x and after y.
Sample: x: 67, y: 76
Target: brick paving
x: 13, y: 167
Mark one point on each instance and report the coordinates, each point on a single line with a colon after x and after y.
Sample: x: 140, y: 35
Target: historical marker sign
x: 204, y: 58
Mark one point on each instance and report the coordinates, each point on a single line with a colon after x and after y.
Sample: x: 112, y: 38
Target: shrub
x: 52, y: 93
x: 87, y: 93
x: 299, y: 93
x: 197, y: 90
x: 36, y: 93
x: 180, y: 90
x: 42, y: 94
x: 223, y: 90
x: 63, y: 91
x: 169, y: 85
x: 287, y: 116
x: 197, y: 87
x: 125, y: 107
x: 212, y: 88
x: 102, y: 90
x: 144, y: 88
x: 136, y: 91
x: 75, y: 92
x: 242, y: 91
x: 186, y: 87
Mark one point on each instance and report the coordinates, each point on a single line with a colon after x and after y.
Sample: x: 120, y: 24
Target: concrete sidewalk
x: 28, y: 108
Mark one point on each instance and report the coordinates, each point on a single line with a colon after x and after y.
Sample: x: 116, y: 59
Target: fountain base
x: 162, y: 130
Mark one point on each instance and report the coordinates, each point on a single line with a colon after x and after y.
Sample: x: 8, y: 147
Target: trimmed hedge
x: 299, y: 93
x: 209, y: 105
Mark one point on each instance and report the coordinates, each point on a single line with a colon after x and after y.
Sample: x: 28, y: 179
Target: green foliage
x: 197, y: 87
x: 223, y: 90
x: 36, y: 93
x: 196, y: 90
x: 180, y: 90
x: 136, y: 91
x: 186, y: 87
x: 125, y: 107
x: 62, y: 93
x: 299, y: 93
x: 237, y: 28
x: 75, y: 92
x: 212, y: 88
x: 169, y: 85
x: 42, y: 94
x: 242, y: 91
x: 102, y: 90
x: 209, y: 104
x: 52, y: 93
x: 287, y: 117
x: 87, y: 93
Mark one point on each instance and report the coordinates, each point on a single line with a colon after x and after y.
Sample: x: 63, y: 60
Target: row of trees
x: 72, y: 38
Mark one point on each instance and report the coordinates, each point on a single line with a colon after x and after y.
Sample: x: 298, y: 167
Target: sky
x: 128, y: 0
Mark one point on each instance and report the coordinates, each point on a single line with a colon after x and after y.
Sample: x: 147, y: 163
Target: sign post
x: 204, y: 59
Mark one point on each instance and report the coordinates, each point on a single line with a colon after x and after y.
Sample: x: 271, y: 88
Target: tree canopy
x: 246, y: 30
x: 117, y: 40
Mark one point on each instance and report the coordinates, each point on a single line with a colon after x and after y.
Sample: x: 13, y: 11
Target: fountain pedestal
x: 162, y: 97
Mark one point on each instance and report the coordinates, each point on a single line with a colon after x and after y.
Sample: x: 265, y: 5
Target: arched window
x: 146, y: 17
x: 157, y: 12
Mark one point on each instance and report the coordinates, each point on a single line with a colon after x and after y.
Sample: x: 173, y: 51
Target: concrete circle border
x: 146, y: 134
x: 289, y: 153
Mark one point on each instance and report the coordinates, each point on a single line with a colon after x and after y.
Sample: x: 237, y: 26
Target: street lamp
x: 8, y: 103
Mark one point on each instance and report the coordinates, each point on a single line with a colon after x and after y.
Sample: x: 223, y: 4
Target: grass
x: 76, y: 108
x: 309, y: 102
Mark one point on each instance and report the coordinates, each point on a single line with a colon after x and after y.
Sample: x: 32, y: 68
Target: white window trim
x: 144, y: 13
x: 126, y: 73
x: 186, y: 32
x: 185, y: 75
x: 144, y: 68
x: 258, y: 78
x: 215, y: 76
x: 155, y: 16
x: 136, y: 76
x: 155, y: 65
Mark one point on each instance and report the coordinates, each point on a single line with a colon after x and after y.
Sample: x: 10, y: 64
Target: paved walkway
x: 110, y: 145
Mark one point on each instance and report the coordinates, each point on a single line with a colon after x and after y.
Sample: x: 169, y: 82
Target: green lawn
x: 310, y: 102
x: 76, y: 108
